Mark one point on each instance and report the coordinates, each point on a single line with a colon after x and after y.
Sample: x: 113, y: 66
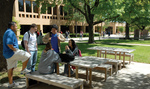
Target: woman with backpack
x: 72, y: 48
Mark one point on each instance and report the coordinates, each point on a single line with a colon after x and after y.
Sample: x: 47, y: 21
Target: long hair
x: 48, y: 46
x: 73, y: 44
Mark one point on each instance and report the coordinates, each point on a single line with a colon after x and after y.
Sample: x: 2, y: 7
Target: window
x: 55, y: 10
x: 35, y: 8
x: 49, y: 10
x: 61, y: 10
x: 28, y: 6
x: 21, y: 5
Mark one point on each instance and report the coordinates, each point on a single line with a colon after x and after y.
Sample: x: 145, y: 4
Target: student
x: 54, y: 38
x: 12, y: 53
x: 30, y: 42
x: 49, y: 57
x: 72, y: 48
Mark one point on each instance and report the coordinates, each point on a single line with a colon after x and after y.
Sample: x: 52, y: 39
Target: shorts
x: 19, y: 55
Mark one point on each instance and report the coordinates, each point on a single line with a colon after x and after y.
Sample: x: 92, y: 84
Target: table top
x: 87, y: 62
x: 111, y: 49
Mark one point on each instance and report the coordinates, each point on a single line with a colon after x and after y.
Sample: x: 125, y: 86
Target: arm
x: 11, y: 47
x: 61, y: 37
x: 26, y: 46
x: 46, y: 38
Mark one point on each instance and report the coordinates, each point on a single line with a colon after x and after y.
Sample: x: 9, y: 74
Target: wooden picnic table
x: 106, y: 49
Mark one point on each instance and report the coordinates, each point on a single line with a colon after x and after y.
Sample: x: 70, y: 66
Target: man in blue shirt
x: 12, y: 53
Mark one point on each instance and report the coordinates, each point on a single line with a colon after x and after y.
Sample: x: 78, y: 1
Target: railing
x: 28, y: 15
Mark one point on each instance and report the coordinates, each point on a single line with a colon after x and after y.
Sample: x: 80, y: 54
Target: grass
x: 141, y: 53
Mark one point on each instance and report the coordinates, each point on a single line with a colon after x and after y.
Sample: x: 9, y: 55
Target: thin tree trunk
x: 91, y: 35
x: 6, y: 9
x: 127, y: 31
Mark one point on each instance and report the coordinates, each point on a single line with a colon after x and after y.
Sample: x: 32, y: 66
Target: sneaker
x: 25, y: 71
x: 11, y: 85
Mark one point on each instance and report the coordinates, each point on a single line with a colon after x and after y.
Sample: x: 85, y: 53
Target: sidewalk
x: 134, y: 76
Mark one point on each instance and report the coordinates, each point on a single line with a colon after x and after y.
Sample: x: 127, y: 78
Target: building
x: 27, y: 12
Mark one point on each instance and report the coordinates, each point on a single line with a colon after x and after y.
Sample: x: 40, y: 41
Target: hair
x: 10, y: 24
x: 73, y: 44
x: 33, y: 25
x: 55, y: 26
x: 48, y: 46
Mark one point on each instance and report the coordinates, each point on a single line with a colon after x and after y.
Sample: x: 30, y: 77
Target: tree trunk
x: 127, y: 31
x: 6, y: 9
x: 91, y: 35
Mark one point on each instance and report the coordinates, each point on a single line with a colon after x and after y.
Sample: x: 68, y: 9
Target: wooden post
x: 27, y: 83
x: 115, y: 54
x: 76, y: 72
x: 123, y: 59
x: 105, y: 54
x: 119, y: 55
x: 69, y: 70
x: 90, y: 77
x: 87, y: 74
x: 57, y: 64
x: 98, y: 53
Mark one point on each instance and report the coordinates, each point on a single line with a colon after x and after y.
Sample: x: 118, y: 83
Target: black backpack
x: 22, y: 42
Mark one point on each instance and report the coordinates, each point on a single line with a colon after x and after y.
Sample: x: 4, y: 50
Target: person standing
x: 12, y: 53
x: 66, y: 33
x: 54, y: 38
x: 81, y: 34
x: 30, y: 42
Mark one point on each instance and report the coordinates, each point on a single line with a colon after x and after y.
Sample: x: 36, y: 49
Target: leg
x: 57, y: 68
x: 65, y: 68
x: 27, y: 83
x: 29, y: 65
x: 34, y: 61
x: 105, y: 74
x: 10, y: 75
x: 87, y: 74
x: 69, y: 69
x: 76, y: 72
x: 24, y: 64
x: 90, y: 77
x: 98, y: 53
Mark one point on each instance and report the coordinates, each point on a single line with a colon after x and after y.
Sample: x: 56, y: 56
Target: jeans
x: 66, y: 69
x: 32, y: 61
x: 54, y: 68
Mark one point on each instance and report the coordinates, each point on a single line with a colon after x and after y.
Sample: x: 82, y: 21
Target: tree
x: 94, y: 11
x: 6, y: 9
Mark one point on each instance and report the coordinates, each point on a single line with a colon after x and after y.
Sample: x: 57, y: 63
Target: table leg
x: 90, y: 77
x: 105, y: 54
x: 119, y: 55
x: 105, y: 74
x: 123, y: 59
x: 116, y: 67
x: 27, y: 83
x: 98, y: 53
x: 87, y: 74
x: 69, y: 70
x: 115, y: 55
x: 57, y: 64
x: 76, y: 72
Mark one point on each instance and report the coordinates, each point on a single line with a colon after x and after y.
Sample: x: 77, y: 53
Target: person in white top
x: 30, y: 42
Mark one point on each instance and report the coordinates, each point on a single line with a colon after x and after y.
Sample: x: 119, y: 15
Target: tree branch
x: 100, y: 21
x: 96, y: 4
x: 76, y: 8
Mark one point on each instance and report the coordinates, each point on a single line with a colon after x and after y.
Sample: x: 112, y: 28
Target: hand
x: 58, y: 38
x: 66, y: 47
x: 49, y: 38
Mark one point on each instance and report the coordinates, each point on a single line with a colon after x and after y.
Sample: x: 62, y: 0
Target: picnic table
x: 111, y: 49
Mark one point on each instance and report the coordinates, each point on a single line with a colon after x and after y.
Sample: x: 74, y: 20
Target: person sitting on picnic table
x: 72, y: 48
x: 49, y: 57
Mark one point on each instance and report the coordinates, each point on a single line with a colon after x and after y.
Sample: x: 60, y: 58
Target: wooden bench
x: 105, y: 67
x: 56, y: 80
x: 130, y: 55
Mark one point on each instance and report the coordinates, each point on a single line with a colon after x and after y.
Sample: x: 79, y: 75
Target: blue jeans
x: 66, y: 70
x: 32, y: 61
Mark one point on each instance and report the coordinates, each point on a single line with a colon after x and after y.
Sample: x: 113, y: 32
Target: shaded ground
x: 134, y: 76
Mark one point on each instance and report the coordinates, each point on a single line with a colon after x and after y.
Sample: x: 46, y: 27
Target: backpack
x: 22, y: 42
x: 79, y: 52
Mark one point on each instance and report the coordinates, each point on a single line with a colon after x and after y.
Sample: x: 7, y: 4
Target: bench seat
x: 56, y: 80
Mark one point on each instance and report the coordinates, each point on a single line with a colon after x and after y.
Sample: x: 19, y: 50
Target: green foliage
x: 17, y: 22
x: 121, y: 29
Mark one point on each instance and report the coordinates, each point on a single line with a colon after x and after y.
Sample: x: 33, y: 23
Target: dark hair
x: 11, y: 23
x: 55, y: 26
x: 73, y: 44
x: 33, y: 25
x: 48, y: 46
